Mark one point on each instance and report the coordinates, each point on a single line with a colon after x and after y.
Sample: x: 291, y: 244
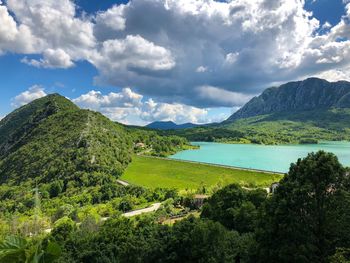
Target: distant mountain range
x: 169, y: 125
x: 296, y: 112
x: 310, y: 94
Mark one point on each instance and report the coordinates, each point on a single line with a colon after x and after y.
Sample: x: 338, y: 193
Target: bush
x: 55, y: 188
x: 63, y: 229
x: 126, y: 204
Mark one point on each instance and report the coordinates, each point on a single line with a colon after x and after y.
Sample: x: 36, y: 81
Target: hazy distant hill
x: 169, y: 125
x: 310, y: 94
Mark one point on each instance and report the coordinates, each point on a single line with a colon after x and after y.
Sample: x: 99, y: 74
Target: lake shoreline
x: 276, y: 144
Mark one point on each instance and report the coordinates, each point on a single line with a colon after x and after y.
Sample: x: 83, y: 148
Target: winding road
x: 152, y: 208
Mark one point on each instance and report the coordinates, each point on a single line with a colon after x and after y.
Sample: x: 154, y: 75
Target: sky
x: 141, y: 61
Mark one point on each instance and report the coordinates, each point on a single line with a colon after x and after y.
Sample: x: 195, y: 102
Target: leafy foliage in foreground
x: 235, y: 208
x: 15, y: 249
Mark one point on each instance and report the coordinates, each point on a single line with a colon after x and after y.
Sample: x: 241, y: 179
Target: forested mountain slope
x: 169, y: 125
x: 52, y: 139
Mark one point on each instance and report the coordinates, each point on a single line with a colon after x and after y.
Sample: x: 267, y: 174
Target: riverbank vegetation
x: 149, y: 142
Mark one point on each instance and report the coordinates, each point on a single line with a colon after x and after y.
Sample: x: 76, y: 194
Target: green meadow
x: 154, y: 172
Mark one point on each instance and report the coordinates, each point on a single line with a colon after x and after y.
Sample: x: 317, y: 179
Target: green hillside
x: 18, y: 124
x: 296, y: 112
x: 54, y: 140
x: 72, y: 156
x: 299, y: 127
x: 278, y: 128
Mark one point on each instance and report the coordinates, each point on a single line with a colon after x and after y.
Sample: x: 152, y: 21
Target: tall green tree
x: 308, y: 216
x: 235, y: 207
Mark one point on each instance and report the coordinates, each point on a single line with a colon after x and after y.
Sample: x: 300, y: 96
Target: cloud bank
x: 127, y: 107
x: 201, y: 53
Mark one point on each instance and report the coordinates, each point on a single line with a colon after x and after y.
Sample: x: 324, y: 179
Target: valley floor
x: 161, y: 172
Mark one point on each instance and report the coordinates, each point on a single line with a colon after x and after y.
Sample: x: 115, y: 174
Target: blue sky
x: 92, y: 6
x: 147, y: 61
x: 326, y: 10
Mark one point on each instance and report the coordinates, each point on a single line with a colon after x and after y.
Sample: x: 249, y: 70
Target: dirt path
x: 123, y: 183
x: 152, y: 208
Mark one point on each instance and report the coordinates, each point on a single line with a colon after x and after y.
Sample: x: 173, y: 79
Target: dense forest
x: 306, y: 219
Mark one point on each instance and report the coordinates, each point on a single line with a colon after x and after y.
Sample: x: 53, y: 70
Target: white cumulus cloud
x: 129, y: 107
x: 51, y: 59
x: 178, y: 113
x: 49, y: 27
x: 95, y: 100
x: 33, y: 93
x: 110, y: 22
x: 201, y: 69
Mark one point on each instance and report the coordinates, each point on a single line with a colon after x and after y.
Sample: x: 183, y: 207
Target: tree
x: 342, y: 255
x: 304, y: 220
x: 234, y: 207
x: 126, y: 204
x: 56, y: 188
x: 63, y: 229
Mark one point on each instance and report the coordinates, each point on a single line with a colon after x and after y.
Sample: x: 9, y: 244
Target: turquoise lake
x: 263, y: 157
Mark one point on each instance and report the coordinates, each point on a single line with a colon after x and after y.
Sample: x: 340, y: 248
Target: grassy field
x: 152, y: 172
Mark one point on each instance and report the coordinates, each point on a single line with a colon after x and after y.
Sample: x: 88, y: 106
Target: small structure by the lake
x: 140, y: 145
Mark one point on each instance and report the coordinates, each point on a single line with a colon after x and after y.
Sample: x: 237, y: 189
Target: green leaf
x: 12, y: 249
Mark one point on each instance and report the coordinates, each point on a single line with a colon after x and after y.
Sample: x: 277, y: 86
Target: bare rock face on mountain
x: 310, y: 94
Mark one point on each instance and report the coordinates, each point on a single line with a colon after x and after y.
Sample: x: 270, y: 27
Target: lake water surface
x: 264, y: 157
